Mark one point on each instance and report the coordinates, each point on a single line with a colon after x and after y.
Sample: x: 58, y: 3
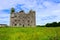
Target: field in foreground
x: 38, y: 33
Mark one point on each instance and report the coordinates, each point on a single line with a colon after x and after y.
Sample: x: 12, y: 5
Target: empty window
x: 15, y: 24
x: 15, y: 20
x: 28, y: 24
x: 15, y: 16
x: 19, y: 16
x: 31, y: 21
x: 19, y: 24
x: 23, y: 20
x: 18, y: 20
x: 28, y: 20
x: 23, y: 25
x: 23, y: 17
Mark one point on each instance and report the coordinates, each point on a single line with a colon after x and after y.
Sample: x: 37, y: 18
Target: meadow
x: 37, y: 33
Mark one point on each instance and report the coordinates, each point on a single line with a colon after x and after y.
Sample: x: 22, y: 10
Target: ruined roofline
x: 13, y: 11
x: 24, y: 12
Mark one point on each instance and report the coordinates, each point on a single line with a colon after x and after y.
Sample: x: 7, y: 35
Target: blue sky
x: 46, y: 10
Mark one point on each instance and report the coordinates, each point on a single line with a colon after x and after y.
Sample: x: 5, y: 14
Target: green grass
x: 38, y: 33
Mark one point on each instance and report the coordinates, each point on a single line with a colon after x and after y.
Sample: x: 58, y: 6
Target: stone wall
x: 23, y: 19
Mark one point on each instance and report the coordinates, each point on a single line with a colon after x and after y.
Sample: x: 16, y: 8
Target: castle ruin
x: 22, y: 19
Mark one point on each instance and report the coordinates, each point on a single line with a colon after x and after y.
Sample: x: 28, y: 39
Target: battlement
x: 22, y: 11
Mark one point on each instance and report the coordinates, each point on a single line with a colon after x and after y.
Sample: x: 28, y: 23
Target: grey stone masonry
x: 22, y: 19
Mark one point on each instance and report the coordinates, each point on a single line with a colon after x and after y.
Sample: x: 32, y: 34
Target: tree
x: 38, y: 26
x: 48, y: 25
x: 58, y: 23
x: 12, y: 10
x: 54, y: 24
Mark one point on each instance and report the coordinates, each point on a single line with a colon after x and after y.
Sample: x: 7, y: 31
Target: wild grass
x: 29, y: 33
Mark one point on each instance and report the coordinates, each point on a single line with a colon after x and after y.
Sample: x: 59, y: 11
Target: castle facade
x: 22, y: 19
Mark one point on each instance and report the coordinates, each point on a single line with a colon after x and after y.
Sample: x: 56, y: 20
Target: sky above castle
x: 46, y: 10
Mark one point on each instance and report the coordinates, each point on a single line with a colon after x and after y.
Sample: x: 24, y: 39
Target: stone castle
x: 22, y: 19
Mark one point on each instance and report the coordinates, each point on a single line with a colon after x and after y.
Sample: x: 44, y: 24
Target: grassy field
x: 38, y: 33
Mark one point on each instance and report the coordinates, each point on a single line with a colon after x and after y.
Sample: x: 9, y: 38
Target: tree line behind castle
x: 53, y: 24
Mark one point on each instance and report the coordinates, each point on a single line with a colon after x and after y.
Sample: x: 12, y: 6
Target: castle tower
x: 21, y: 19
x: 12, y: 14
x: 33, y: 16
